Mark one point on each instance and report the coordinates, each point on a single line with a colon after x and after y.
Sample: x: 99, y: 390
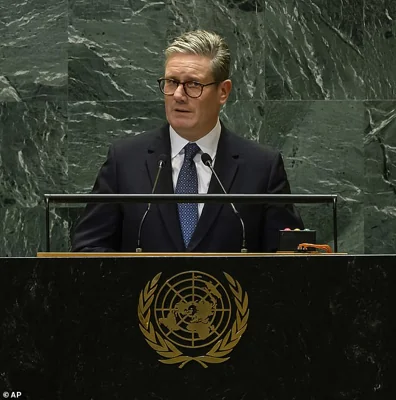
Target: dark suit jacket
x: 243, y: 167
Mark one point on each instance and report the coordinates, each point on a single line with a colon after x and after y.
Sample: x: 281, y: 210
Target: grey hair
x: 204, y: 43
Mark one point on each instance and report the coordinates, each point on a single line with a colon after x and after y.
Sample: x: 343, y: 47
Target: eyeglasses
x: 192, y: 89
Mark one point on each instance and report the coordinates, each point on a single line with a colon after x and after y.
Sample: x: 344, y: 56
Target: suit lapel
x: 168, y: 211
x: 226, y: 167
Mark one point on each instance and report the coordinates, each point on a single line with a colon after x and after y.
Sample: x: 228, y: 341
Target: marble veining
x: 313, y: 78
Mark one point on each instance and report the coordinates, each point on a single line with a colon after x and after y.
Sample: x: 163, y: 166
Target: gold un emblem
x: 192, y: 317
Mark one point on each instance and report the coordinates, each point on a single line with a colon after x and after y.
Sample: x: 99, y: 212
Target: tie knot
x: 190, y: 151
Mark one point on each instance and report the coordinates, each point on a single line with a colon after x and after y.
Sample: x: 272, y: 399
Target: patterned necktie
x: 187, y: 182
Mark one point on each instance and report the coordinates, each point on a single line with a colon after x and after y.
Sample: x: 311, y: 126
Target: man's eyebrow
x: 188, y: 79
x: 193, y: 78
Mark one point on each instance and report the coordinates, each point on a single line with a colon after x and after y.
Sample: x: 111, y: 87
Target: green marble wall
x: 314, y: 78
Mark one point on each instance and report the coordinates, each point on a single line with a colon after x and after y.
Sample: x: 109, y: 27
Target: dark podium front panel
x: 243, y: 328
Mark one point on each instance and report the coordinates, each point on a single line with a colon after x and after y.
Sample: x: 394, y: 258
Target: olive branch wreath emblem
x: 172, y: 355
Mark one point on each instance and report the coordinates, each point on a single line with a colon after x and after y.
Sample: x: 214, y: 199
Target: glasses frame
x: 202, y: 85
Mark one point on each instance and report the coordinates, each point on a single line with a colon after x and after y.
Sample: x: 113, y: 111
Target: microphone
x: 161, y: 162
x: 207, y: 160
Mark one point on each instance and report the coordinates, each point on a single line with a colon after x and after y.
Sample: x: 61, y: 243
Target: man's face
x: 193, y: 118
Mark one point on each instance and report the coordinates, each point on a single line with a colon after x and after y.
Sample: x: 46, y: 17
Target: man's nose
x: 180, y: 94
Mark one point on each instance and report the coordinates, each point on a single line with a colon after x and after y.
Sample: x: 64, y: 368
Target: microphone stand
x: 161, y: 164
x: 207, y: 160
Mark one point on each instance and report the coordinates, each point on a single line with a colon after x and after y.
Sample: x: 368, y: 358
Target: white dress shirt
x: 207, y: 144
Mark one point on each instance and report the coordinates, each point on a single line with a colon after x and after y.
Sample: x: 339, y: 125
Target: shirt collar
x: 208, y: 143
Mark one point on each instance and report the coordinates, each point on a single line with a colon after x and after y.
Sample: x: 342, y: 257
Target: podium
x: 217, y: 326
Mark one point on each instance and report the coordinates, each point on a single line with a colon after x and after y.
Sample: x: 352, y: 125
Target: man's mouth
x: 181, y: 110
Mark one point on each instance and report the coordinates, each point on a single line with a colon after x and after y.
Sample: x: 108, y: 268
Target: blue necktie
x: 187, y: 182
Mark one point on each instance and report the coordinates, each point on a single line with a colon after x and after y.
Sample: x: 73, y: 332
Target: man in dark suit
x: 195, y: 86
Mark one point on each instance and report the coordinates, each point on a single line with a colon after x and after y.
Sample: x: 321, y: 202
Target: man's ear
x: 225, y: 90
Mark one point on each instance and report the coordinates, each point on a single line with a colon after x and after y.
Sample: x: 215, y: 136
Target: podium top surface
x: 107, y: 254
